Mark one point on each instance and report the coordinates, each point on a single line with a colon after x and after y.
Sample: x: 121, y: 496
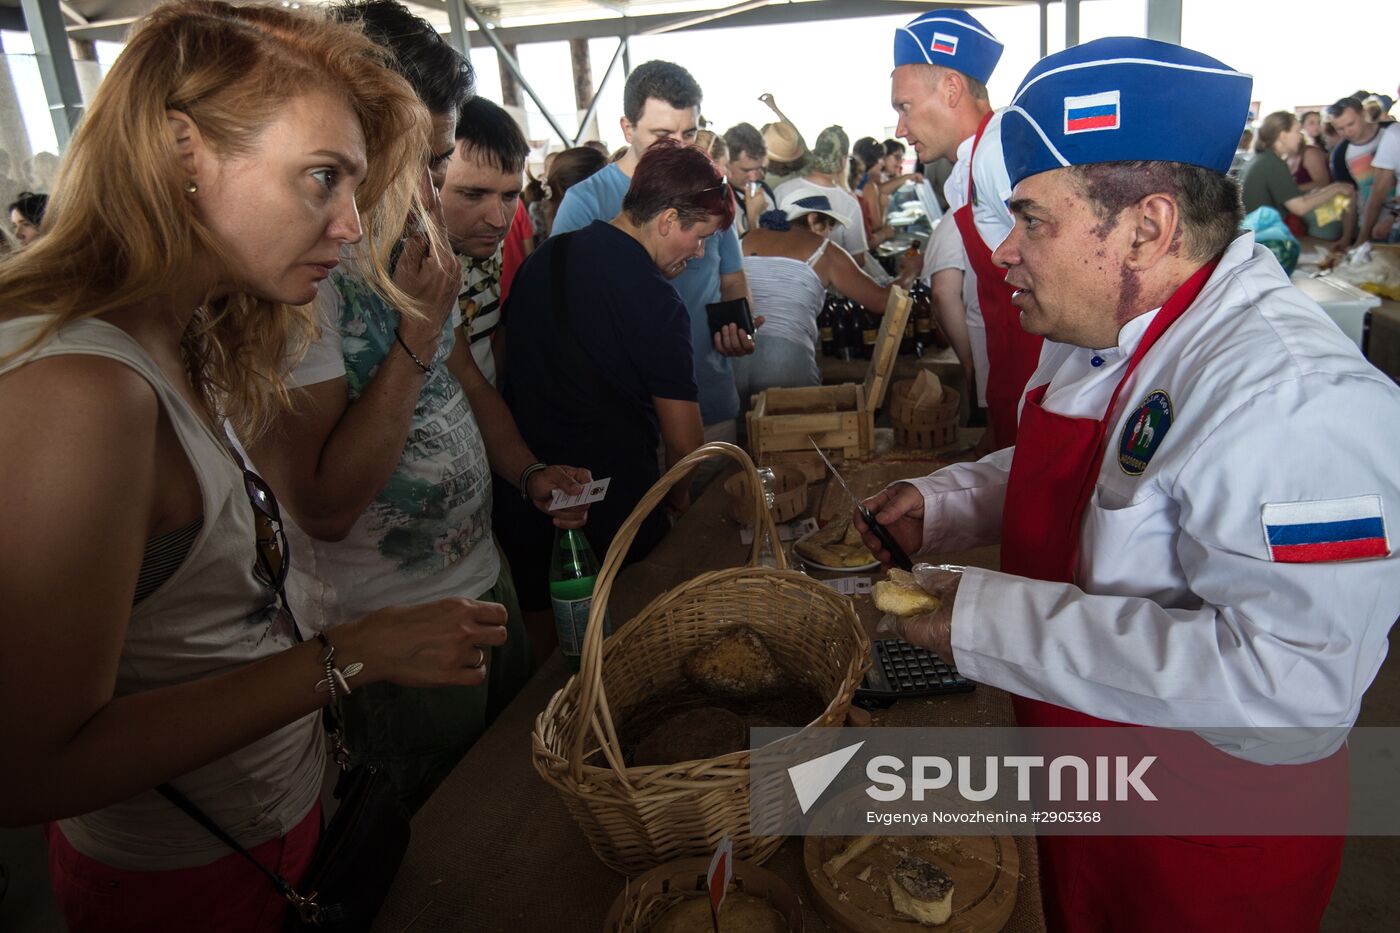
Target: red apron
x: 1140, y: 884
x: 1012, y: 354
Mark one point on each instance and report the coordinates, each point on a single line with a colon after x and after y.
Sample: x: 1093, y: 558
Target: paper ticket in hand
x: 592, y: 492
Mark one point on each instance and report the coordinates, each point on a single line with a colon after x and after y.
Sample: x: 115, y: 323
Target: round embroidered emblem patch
x: 1143, y: 432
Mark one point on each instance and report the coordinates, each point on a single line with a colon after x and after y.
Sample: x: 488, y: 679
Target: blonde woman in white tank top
x: 230, y: 157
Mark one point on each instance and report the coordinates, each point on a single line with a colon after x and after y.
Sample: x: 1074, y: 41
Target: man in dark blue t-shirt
x: 599, y: 357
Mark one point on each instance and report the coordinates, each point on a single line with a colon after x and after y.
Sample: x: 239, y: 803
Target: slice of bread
x: 899, y: 595
x: 921, y: 890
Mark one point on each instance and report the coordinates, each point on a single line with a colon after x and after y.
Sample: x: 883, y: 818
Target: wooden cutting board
x: 985, y: 871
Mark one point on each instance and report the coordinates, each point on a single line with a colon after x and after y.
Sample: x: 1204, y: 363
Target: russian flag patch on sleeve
x: 1325, y: 530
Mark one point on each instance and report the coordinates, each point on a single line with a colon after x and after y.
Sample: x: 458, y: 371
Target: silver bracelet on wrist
x: 336, y: 681
x: 525, y: 475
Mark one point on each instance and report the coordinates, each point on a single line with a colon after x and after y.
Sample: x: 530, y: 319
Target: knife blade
x: 897, y: 555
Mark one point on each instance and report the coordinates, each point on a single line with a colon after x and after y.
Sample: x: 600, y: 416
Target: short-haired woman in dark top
x: 614, y: 379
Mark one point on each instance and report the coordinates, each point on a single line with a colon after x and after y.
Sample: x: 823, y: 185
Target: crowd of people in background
x: 370, y: 309
x: 1330, y: 174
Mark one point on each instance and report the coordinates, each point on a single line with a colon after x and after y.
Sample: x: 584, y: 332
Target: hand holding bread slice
x: 918, y: 606
x: 900, y: 595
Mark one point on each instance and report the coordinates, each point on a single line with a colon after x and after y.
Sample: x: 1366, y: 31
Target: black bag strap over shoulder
x: 570, y: 345
x: 365, y: 793
x: 199, y: 816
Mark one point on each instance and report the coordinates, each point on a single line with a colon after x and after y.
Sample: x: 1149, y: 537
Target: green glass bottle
x: 573, y: 570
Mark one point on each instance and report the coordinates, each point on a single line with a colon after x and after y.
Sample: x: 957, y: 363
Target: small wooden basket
x: 923, y: 428
x: 789, y: 500
x: 645, y: 901
x: 638, y: 817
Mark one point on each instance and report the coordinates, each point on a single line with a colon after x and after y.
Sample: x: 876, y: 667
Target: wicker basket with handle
x: 636, y: 818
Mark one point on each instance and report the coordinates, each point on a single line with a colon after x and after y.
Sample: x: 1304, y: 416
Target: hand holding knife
x: 897, y: 555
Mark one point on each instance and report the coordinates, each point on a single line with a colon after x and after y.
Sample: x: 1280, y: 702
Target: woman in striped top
x: 790, y: 263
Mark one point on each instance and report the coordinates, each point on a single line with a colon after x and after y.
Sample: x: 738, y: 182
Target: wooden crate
x: 841, y: 418
x: 836, y: 417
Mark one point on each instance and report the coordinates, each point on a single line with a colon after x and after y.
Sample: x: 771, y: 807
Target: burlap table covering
x: 495, y: 849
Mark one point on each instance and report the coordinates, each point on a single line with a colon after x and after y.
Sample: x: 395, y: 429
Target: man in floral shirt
x: 385, y: 458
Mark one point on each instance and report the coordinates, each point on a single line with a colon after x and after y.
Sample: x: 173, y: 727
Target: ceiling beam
x: 73, y: 15
x: 772, y: 14
x: 615, y: 5
x: 775, y: 13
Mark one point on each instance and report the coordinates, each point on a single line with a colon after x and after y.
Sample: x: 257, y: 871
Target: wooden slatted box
x: 840, y: 418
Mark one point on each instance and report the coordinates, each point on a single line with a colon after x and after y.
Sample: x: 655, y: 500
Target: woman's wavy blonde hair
x: 119, y: 226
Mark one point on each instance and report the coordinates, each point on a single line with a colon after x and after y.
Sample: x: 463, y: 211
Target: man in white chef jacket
x: 942, y: 62
x: 1194, y: 520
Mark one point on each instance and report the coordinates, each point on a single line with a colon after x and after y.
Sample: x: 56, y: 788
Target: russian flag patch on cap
x: 1092, y: 112
x: 1325, y: 530
x: 944, y: 43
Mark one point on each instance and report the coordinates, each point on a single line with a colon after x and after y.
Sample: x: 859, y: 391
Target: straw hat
x: 783, y: 142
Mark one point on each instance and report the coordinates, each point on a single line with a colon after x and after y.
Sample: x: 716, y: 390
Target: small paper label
x: 594, y: 491
x: 787, y: 531
x: 850, y: 586
x: 720, y: 874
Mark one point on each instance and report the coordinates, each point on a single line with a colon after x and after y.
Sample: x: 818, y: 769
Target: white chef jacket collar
x: 1129, y: 336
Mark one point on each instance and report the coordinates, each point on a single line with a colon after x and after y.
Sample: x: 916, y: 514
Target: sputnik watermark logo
x: 1068, y: 777
x: 1105, y: 781
x: 1116, y: 778
x: 811, y: 778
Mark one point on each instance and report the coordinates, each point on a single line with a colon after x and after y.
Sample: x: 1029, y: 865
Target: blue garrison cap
x: 1122, y: 100
x: 950, y: 38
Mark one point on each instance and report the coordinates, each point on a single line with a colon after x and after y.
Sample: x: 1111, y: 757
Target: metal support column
x: 626, y: 58
x: 511, y: 64
x: 1044, y: 28
x: 582, y: 64
x: 1071, y: 23
x: 60, y: 78
x: 458, y: 25
x: 1164, y: 20
x: 593, y: 104
x: 510, y: 89
x: 14, y: 139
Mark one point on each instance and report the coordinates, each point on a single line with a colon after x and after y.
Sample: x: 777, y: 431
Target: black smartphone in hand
x: 734, y: 311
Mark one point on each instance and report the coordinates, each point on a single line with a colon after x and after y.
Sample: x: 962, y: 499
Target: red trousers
x: 225, y: 896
